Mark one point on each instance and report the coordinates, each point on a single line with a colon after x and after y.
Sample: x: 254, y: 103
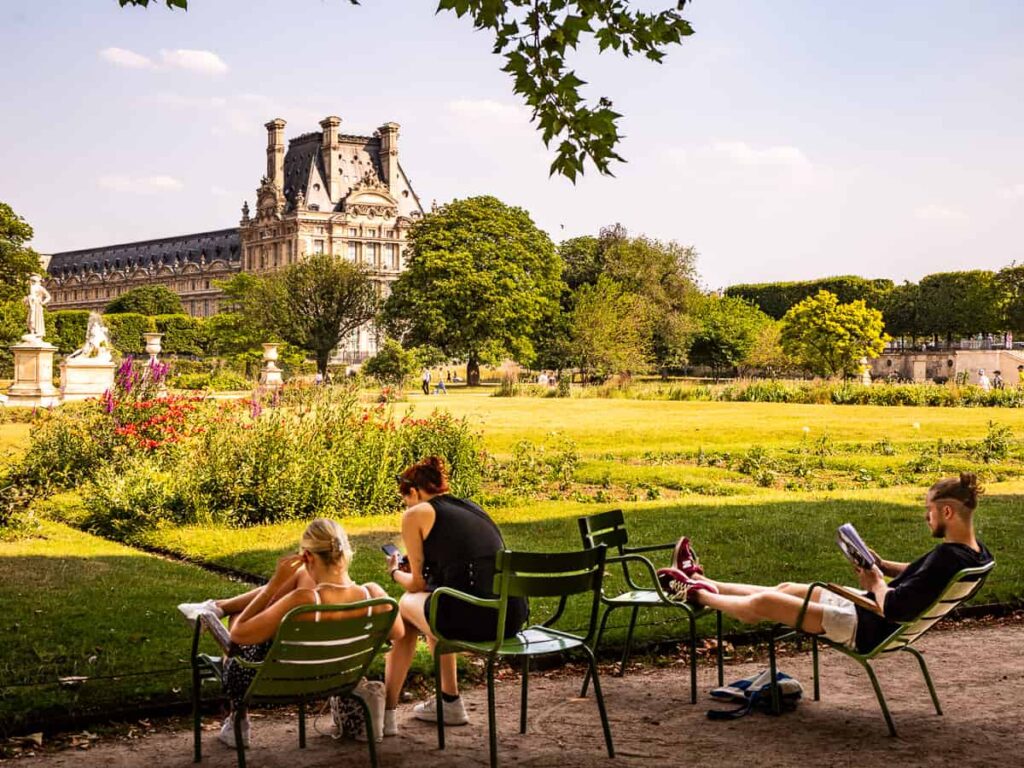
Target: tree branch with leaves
x: 536, y: 37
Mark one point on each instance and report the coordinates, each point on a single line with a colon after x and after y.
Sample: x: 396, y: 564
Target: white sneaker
x: 227, y: 732
x: 454, y: 712
x: 390, y: 722
x: 191, y: 611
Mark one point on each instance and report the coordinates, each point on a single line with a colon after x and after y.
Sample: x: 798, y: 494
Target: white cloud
x: 119, y: 182
x: 935, y: 212
x: 1015, y: 192
x: 741, y: 153
x: 122, y: 57
x: 495, y: 114
x: 205, y: 62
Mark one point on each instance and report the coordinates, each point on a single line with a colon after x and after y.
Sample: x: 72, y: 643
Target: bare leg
x: 400, y: 657
x: 767, y: 605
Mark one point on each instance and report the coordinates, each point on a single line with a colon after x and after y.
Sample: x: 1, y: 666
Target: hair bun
x: 969, y: 481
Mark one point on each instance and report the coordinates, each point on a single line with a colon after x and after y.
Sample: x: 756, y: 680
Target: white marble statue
x: 97, y: 341
x: 38, y: 297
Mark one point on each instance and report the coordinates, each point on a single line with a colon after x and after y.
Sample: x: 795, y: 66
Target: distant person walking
x: 440, y: 389
x: 997, y: 380
x: 983, y: 381
x: 426, y: 381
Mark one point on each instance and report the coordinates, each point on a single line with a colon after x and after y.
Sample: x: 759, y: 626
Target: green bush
x: 126, y: 331
x: 66, y: 329
x: 182, y: 334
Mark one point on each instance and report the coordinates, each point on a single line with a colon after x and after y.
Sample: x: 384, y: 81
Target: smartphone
x: 390, y: 549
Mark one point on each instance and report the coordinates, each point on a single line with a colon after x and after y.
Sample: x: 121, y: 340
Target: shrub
x: 66, y: 329
x: 126, y: 331
x: 182, y: 334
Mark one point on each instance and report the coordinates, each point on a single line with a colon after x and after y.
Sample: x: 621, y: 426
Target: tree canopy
x: 829, y: 338
x: 729, y: 330
x: 610, y: 330
x: 147, y: 300
x: 535, y: 38
x: 17, y: 260
x: 480, y: 281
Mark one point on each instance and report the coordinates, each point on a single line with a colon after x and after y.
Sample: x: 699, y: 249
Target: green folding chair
x: 962, y: 587
x: 527, y: 574
x: 308, y: 660
x: 609, y: 528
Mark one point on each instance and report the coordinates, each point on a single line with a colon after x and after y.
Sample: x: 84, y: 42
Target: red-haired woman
x: 449, y: 542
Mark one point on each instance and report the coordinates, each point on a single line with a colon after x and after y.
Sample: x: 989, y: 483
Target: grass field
x: 674, y: 467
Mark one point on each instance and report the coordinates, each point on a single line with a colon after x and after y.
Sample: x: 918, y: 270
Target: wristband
x: 391, y: 573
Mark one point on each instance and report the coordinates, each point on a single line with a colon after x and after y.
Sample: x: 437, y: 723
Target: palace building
x: 329, y: 192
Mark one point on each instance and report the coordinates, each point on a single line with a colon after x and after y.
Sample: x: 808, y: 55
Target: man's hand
x: 870, y: 578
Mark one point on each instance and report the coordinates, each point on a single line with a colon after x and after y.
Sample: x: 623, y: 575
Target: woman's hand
x: 394, y: 563
x: 286, y: 568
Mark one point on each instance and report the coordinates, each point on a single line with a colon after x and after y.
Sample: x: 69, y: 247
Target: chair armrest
x: 648, y: 548
x: 854, y: 597
x: 481, y: 602
x: 646, y: 564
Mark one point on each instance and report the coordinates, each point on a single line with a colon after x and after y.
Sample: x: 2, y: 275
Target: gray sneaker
x: 454, y: 712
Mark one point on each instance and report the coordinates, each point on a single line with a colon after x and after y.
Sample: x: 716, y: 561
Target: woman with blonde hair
x: 318, y: 574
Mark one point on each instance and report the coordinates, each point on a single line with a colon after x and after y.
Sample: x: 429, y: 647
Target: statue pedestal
x: 85, y: 377
x: 270, y: 377
x: 33, y: 374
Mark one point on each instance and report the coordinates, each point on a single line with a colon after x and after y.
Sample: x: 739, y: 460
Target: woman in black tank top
x: 450, y: 542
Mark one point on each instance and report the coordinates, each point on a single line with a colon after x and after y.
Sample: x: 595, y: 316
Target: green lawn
x: 75, y: 604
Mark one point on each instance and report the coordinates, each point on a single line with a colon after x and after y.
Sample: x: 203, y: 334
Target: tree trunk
x: 322, y: 356
x: 473, y: 372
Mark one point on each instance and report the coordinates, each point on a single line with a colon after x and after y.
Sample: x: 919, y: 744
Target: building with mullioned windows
x: 328, y: 192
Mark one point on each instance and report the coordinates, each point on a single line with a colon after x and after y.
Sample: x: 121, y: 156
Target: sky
x: 784, y: 140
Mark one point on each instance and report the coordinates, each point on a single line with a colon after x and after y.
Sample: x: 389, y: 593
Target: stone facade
x: 328, y: 192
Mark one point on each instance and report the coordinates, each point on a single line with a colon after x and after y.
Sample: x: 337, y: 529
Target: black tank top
x: 460, y: 548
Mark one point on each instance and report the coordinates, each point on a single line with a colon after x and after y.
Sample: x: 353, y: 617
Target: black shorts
x: 457, y: 620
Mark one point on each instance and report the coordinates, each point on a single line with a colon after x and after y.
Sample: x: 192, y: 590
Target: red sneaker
x: 685, y: 559
x: 682, y: 586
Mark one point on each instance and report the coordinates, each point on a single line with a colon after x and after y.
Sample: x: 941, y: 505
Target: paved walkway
x: 978, y: 670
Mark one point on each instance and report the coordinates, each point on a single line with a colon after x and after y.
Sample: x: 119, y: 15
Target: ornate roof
x: 357, y: 155
x: 221, y: 244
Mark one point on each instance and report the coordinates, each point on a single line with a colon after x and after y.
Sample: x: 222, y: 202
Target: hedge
x: 66, y: 329
x: 183, y: 334
x: 126, y: 331
x: 775, y: 299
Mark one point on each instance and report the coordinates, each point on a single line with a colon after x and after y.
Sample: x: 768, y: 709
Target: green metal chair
x: 527, y: 574
x: 307, y: 661
x: 609, y: 528
x: 963, y: 586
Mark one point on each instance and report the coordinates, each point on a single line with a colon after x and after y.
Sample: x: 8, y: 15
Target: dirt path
x: 978, y: 670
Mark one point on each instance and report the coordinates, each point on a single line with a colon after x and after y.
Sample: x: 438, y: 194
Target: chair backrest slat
x: 608, y: 528
x: 551, y: 586
x: 962, y: 586
x: 329, y: 657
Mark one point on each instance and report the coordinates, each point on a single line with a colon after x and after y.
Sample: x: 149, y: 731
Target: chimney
x: 329, y: 153
x: 275, y: 152
x: 389, y: 155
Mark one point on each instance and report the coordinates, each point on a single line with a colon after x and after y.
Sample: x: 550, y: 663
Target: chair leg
x: 773, y: 671
x: 816, y: 673
x: 523, y: 697
x: 492, y: 718
x: 600, y: 703
x: 721, y: 650
x: 371, y: 731
x: 197, y: 724
x: 597, y: 644
x: 302, y: 723
x: 693, y: 659
x: 237, y: 717
x: 927, y: 677
x: 439, y: 698
x: 629, y: 640
x: 881, y: 698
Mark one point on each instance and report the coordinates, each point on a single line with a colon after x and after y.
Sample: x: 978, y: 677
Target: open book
x: 853, y: 547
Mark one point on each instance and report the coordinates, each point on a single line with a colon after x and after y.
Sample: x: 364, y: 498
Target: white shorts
x: 839, y: 618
